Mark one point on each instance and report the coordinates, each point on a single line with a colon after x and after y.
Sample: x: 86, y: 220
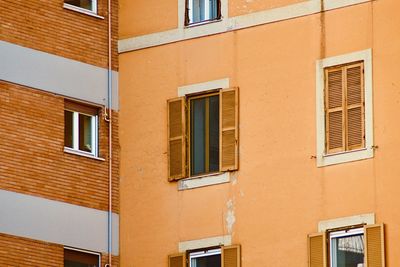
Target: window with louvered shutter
x: 374, y: 245
x: 344, y: 108
x: 176, y: 139
x: 317, y: 250
x: 177, y: 260
x: 229, y: 129
x: 231, y: 256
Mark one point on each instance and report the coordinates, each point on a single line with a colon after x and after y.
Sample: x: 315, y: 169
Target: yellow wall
x: 278, y: 195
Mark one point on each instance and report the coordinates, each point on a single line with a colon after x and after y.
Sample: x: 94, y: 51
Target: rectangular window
x: 80, y: 258
x: 81, y: 128
x: 227, y: 256
x: 347, y: 248
x: 205, y: 258
x: 204, y: 134
x: 90, y: 5
x: 198, y: 11
x: 356, y: 246
x: 344, y: 108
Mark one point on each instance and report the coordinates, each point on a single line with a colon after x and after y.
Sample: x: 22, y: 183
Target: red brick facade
x: 32, y: 154
x: 20, y: 252
x: 48, y: 27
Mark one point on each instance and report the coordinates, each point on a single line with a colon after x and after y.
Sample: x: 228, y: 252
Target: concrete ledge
x: 368, y: 218
x: 225, y: 240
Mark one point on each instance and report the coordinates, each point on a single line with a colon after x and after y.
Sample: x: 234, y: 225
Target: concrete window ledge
x: 201, y: 181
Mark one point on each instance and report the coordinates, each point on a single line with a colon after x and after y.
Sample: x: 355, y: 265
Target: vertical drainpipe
x: 109, y: 106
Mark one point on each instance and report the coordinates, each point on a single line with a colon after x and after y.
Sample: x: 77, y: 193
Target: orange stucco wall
x: 278, y: 196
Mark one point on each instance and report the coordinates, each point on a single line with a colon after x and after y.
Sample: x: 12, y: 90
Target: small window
x: 90, y: 5
x: 203, y: 134
x: 81, y: 128
x: 198, y: 11
x: 80, y: 258
x: 347, y: 248
x: 205, y: 258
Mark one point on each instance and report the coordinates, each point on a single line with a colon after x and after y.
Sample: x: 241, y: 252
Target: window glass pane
x: 198, y: 136
x: 201, y: 10
x: 85, y: 133
x: 348, y: 251
x: 68, y: 128
x: 208, y: 261
x: 214, y: 134
x: 86, y: 4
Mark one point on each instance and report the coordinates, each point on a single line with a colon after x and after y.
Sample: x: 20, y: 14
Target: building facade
x: 59, y: 160
x: 259, y: 133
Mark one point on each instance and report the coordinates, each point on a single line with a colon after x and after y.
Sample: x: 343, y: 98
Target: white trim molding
x: 203, y: 87
x: 368, y: 218
x: 368, y: 152
x: 227, y: 24
x: 225, y: 240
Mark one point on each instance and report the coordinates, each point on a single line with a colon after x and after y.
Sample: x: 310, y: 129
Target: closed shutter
x: 355, y: 106
x: 177, y: 260
x: 229, y: 134
x: 230, y: 256
x: 344, y: 108
x: 317, y: 250
x: 176, y: 139
x: 334, y: 111
x: 374, y: 245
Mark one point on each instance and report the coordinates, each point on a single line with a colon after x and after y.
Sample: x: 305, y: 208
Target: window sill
x: 81, y: 153
x: 342, y: 157
x: 82, y: 10
x: 202, y: 181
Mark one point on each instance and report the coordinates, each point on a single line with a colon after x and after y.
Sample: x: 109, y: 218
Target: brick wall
x: 19, y: 252
x: 46, y: 26
x: 32, y: 154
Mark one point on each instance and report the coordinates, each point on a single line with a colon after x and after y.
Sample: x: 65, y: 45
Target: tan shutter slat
x: 176, y: 139
x: 230, y: 256
x: 374, y: 245
x: 81, y: 108
x: 355, y: 106
x: 334, y: 115
x: 229, y: 134
x: 177, y: 260
x: 317, y: 250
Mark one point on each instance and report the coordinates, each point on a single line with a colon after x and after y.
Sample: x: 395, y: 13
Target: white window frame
x: 204, y: 253
x: 343, y: 233
x: 85, y: 251
x: 324, y: 159
x: 92, y: 11
x: 75, y: 133
x: 206, y: 11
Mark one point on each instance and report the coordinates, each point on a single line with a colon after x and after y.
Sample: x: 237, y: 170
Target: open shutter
x: 355, y: 106
x: 177, y: 260
x: 229, y: 133
x: 317, y: 250
x: 176, y: 139
x: 334, y: 111
x: 230, y: 256
x: 374, y: 245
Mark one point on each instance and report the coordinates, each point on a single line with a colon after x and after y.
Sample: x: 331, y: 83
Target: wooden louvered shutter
x: 230, y: 256
x: 355, y: 106
x: 374, y: 245
x: 229, y: 133
x: 176, y: 139
x: 344, y: 108
x: 334, y: 111
x: 177, y: 260
x: 317, y: 250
